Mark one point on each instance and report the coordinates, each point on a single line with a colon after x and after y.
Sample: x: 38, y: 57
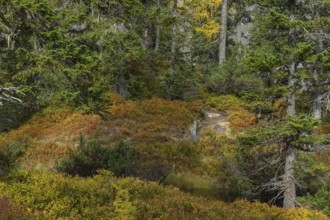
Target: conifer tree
x: 281, y: 51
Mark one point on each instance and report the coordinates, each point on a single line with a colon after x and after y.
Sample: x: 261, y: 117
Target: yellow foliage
x: 204, y: 12
x: 123, y: 206
x: 210, y: 28
x: 226, y: 103
x: 56, y: 196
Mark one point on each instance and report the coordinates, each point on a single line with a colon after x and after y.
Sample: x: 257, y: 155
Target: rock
x: 217, y: 121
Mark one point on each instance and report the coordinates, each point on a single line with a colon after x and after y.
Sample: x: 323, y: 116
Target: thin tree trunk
x: 317, y: 104
x: 290, y: 157
x: 148, y: 30
x: 291, y: 110
x: 157, y: 31
x: 290, y: 186
x: 223, y: 31
x: 147, y: 37
x: 148, y: 42
x: 173, y: 45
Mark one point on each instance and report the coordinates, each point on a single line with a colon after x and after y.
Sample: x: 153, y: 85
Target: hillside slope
x: 160, y: 131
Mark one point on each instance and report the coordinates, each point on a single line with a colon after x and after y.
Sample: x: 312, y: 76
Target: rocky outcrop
x: 216, y: 121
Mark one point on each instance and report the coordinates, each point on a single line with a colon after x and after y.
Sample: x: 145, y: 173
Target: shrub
x: 225, y: 103
x: 180, y: 154
x: 59, y: 197
x: 121, y: 159
x: 154, y: 169
x: 189, y: 182
x: 10, y: 151
x: 151, y: 120
x: 233, y: 77
x: 241, y: 119
x: 103, y: 196
x: 320, y: 201
x: 11, y: 210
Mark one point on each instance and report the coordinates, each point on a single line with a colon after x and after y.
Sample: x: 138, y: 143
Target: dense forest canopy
x: 134, y: 77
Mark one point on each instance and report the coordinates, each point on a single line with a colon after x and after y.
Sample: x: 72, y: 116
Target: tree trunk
x: 147, y: 37
x: 173, y: 45
x: 147, y: 32
x: 223, y: 32
x: 289, y: 182
x: 290, y: 157
x: 317, y: 102
x: 291, y: 110
x: 317, y: 105
x: 157, y: 31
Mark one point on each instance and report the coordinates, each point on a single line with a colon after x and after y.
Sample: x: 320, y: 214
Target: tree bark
x: 148, y: 31
x: 173, y: 45
x: 317, y: 102
x: 223, y: 31
x: 291, y: 110
x: 317, y: 105
x: 290, y: 156
x: 157, y: 31
x: 147, y: 37
x: 289, y: 182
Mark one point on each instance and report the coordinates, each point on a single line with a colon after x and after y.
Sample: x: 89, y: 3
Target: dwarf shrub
x: 121, y: 159
x: 103, y: 196
x: 10, y: 151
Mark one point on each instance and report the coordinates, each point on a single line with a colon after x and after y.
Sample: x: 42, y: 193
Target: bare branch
x: 63, y: 6
x: 7, y: 94
x: 313, y: 148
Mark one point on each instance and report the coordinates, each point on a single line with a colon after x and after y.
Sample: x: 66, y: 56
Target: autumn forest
x: 165, y: 109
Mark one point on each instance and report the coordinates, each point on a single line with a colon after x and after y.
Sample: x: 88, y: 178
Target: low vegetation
x: 84, y: 172
x: 48, y: 196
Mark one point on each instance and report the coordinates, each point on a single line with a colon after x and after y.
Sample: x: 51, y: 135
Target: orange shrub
x: 151, y: 120
x: 241, y: 120
x: 324, y: 129
x: 52, y: 133
x: 281, y: 105
x: 12, y: 210
x: 57, y: 125
x: 43, y: 153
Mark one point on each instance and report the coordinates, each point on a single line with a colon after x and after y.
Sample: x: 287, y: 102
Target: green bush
x: 154, y: 169
x: 121, y: 159
x: 10, y: 151
x: 233, y: 77
x: 320, y: 201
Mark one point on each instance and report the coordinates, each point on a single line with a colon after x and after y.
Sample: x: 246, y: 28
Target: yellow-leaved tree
x: 205, y: 11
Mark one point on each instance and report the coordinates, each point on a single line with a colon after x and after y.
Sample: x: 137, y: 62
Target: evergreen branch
x: 5, y: 21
